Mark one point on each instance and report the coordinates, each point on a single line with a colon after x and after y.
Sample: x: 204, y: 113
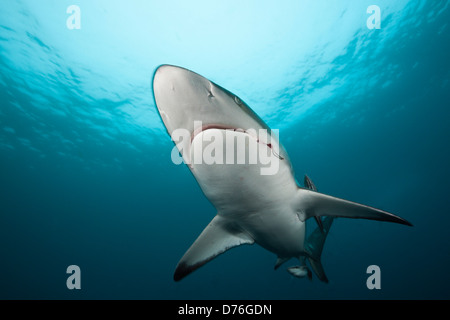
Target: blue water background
x: 85, y: 171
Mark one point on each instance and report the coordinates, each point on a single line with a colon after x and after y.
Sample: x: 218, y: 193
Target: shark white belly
x: 239, y: 192
x: 257, y: 202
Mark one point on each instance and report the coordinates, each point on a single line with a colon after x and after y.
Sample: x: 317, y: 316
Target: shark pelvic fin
x: 219, y: 236
x: 279, y: 262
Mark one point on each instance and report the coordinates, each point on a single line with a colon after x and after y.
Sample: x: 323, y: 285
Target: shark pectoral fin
x: 313, y: 204
x: 310, y: 185
x: 216, y: 238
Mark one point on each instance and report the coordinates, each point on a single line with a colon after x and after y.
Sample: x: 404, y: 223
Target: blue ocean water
x: 86, y: 176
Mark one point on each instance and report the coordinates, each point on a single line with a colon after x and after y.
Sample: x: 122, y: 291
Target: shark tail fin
x: 315, y: 204
x: 216, y: 238
x: 314, y: 247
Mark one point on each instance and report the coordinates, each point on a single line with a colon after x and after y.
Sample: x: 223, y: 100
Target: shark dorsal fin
x: 219, y: 236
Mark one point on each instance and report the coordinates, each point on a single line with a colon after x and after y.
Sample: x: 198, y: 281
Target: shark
x: 314, y: 245
x: 270, y: 210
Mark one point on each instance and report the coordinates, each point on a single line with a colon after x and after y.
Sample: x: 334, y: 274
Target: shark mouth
x: 251, y: 133
x: 213, y: 126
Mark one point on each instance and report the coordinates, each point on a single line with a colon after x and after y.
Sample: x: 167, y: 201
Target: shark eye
x: 237, y: 100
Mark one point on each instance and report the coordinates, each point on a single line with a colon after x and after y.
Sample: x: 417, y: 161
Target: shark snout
x: 176, y: 86
x: 164, y: 79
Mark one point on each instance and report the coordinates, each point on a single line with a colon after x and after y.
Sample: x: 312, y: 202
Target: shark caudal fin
x: 314, y: 247
x: 314, y: 204
x: 316, y: 240
x: 216, y: 238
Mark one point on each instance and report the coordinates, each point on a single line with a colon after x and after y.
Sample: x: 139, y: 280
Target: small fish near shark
x: 300, y: 272
x: 253, y: 206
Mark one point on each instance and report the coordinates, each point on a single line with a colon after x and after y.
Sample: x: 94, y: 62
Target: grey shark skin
x: 270, y: 210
